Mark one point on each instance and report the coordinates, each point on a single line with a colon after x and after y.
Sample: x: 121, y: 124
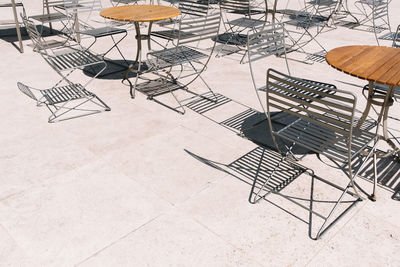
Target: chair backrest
x: 261, y: 43
x: 81, y: 6
x: 34, y: 35
x: 266, y: 41
x: 308, y: 101
x: 195, y: 29
x: 52, y: 3
x: 193, y: 8
x: 236, y: 6
x: 26, y: 90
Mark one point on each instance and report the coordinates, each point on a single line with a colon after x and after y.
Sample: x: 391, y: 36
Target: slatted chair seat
x: 172, y: 34
x: 17, y: 4
x: 382, y: 89
x: 246, y: 22
x: 52, y: 17
x: 66, y: 93
x: 75, y: 59
x: 324, y: 140
x: 178, y: 55
x: 102, y: 31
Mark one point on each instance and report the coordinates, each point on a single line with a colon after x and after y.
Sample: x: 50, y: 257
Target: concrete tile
x: 10, y: 253
x: 367, y: 240
x: 170, y: 240
x: 37, y: 156
x: 66, y: 219
x: 263, y: 231
x: 163, y: 164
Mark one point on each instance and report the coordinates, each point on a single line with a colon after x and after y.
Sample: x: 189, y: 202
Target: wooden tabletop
x: 140, y: 13
x: 374, y: 63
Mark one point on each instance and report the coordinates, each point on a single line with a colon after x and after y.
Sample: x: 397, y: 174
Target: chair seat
x: 324, y: 140
x: 171, y: 34
x: 158, y: 87
x: 383, y: 88
x: 74, y: 59
x: 63, y: 94
x: 45, y: 18
x: 10, y: 5
x: 372, y: 2
x: 103, y: 31
x: 179, y: 55
x: 246, y: 22
x: 124, y: 1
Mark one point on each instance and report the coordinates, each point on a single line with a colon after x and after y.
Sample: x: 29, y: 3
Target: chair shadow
x: 245, y: 121
x: 254, y: 169
x: 115, y: 70
x: 10, y: 34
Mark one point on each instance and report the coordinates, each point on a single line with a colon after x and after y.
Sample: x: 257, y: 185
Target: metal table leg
x: 138, y: 61
x: 382, y: 117
x: 21, y: 48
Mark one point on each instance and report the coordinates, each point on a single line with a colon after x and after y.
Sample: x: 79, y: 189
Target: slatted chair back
x: 34, y: 35
x: 327, y: 117
x: 52, y: 3
x: 26, y: 90
x: 236, y: 6
x: 195, y: 29
x: 261, y: 43
x: 193, y: 8
x: 82, y: 6
x: 266, y: 41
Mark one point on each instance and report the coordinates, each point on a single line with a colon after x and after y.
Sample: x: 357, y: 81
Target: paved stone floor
x: 142, y: 185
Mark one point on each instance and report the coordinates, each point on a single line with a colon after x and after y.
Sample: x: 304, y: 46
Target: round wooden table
x: 378, y: 64
x: 137, y: 14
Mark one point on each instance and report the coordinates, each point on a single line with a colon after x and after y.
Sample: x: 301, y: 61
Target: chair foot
x: 372, y: 197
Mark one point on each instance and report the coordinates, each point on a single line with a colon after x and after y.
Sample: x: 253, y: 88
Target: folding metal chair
x: 236, y: 27
x: 50, y: 17
x: 78, y: 8
x: 63, y: 99
x: 325, y: 125
x: 179, y: 65
x: 376, y: 15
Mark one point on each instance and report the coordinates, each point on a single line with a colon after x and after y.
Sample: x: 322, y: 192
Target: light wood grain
x: 140, y: 13
x: 374, y: 63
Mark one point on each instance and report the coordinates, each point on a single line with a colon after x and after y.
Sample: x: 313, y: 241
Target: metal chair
x: 49, y: 17
x: 62, y: 99
x: 325, y: 125
x: 177, y: 66
x: 376, y: 15
x: 78, y: 8
x: 236, y: 28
